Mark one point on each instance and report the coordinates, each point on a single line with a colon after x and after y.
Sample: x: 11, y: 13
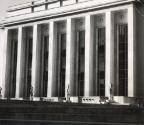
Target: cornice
x: 32, y: 17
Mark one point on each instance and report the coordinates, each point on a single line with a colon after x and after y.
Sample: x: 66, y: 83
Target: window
x: 81, y: 61
x: 101, y: 61
x: 62, y: 63
x: 123, y: 59
x: 28, y: 44
x: 45, y: 65
x: 11, y: 63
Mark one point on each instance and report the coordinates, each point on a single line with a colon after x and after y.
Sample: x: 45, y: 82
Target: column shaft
x: 33, y: 83
x: 131, y: 50
x: 89, y: 35
x: 1, y: 57
x: 52, y: 61
x: 68, y: 52
x: 109, y: 61
x: 18, y: 73
x: 3, y: 46
x: 69, y: 57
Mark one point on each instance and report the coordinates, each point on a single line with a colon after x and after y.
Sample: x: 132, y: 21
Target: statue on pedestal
x: 68, y: 94
x: 111, y: 92
x: 31, y: 93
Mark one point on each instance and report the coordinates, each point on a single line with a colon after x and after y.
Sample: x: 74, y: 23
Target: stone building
x: 93, y: 46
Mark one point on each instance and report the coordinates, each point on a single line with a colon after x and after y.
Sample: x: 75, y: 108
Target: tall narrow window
x: 45, y: 66
x: 12, y: 63
x: 28, y: 60
x: 42, y: 60
x: 123, y: 59
x: 62, y: 62
x: 101, y: 61
x: 81, y: 61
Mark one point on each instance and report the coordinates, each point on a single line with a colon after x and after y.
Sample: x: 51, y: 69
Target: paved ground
x: 21, y: 122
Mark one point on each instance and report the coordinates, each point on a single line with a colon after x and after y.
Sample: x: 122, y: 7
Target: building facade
x: 91, y: 48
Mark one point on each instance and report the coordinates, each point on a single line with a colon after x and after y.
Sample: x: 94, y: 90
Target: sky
x: 5, y: 3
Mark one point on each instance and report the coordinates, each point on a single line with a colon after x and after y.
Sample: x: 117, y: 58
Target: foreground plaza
x: 78, y: 49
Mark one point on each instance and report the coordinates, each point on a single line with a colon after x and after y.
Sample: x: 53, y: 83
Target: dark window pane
x: 28, y: 61
x: 101, y: 61
x: 81, y: 62
x: 61, y: 39
x: 123, y: 59
x: 12, y: 62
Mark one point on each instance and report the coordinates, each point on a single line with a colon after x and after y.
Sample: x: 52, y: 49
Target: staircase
x: 20, y: 112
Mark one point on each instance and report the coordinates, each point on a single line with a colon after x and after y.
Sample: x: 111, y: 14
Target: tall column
x: 68, y: 52
x: 18, y: 71
x: 1, y: 56
x: 89, y: 36
x: 33, y: 83
x: 52, y: 61
x: 109, y: 61
x: 69, y: 57
x: 3, y: 48
x: 131, y: 50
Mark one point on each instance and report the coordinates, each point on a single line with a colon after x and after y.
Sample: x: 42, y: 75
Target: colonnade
x: 108, y: 20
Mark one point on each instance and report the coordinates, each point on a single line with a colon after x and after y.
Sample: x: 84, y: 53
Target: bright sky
x: 5, y: 3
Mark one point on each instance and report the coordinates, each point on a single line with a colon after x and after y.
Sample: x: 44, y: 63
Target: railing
x: 39, y: 3
x: 54, y: 5
x: 47, y: 3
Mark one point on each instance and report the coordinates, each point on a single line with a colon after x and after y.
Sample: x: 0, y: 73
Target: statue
x: 0, y: 92
x: 68, y: 94
x: 31, y: 93
x: 111, y: 92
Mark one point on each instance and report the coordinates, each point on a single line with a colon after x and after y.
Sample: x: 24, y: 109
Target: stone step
x: 48, y: 111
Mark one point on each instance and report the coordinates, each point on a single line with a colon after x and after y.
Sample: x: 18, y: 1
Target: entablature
x: 40, y: 9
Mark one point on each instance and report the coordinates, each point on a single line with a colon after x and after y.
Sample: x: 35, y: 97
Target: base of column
x: 115, y: 100
x: 126, y: 100
x: 50, y: 99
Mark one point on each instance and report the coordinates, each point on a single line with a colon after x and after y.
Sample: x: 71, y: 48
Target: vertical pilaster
x: 89, y: 35
x: 3, y: 48
x: 18, y: 71
x: 131, y: 50
x: 109, y: 61
x: 52, y: 61
x: 33, y: 83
